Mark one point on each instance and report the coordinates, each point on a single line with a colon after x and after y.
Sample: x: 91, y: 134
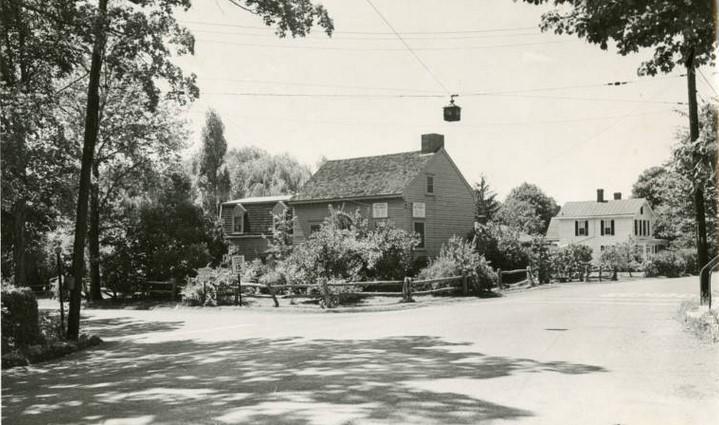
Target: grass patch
x: 701, y: 321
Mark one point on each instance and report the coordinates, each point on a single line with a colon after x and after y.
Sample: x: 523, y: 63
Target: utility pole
x: 701, y: 231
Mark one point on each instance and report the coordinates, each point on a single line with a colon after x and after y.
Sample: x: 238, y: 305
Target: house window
x: 641, y: 210
x: 607, y: 227
x: 419, y: 230
x: 238, y: 220
x: 581, y: 228
x: 418, y: 209
x: 314, y: 228
x: 430, y: 184
x: 379, y: 210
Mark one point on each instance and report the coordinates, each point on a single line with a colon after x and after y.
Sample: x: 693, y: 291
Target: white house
x: 603, y: 223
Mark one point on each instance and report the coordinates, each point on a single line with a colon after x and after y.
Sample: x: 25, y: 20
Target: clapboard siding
x: 450, y: 211
x: 251, y: 247
x: 309, y: 214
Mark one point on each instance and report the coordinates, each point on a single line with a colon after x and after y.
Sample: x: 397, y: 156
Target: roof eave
x: 349, y: 198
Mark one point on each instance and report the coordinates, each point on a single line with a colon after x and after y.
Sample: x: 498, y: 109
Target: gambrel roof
x: 371, y: 176
x: 601, y: 209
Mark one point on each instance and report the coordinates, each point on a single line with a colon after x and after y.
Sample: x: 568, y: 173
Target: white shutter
x: 379, y: 210
x: 418, y: 210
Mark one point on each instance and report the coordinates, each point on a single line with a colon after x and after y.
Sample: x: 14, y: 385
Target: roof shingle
x: 370, y: 176
x: 597, y: 209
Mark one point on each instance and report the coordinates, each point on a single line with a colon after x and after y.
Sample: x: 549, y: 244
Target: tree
x: 486, y: 204
x: 528, y: 208
x: 651, y: 185
x: 36, y: 50
x: 255, y: 172
x: 679, y: 33
x: 214, y: 178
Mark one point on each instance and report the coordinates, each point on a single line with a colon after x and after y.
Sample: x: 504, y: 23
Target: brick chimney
x: 600, y: 195
x: 617, y: 196
x: 432, y: 142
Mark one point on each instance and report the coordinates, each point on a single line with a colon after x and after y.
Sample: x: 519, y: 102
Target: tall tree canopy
x: 213, y: 177
x: 486, y: 204
x: 676, y: 31
x: 528, y: 208
x: 255, y: 172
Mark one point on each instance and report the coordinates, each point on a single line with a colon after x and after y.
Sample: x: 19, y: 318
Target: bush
x: 666, y: 263
x: 20, y: 318
x: 540, y: 259
x: 690, y: 258
x: 345, y: 249
x: 621, y: 257
x: 500, y: 245
x: 209, y: 287
x: 570, y: 261
x: 458, y: 257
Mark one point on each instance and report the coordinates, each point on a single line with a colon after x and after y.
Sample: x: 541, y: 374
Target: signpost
x: 237, y: 261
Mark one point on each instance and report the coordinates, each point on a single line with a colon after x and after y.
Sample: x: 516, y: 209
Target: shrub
x: 345, y: 249
x: 20, y: 319
x: 458, y: 257
x: 690, y: 258
x: 209, y: 287
x: 666, y: 263
x: 500, y: 245
x: 621, y: 257
x: 570, y: 260
x: 540, y: 259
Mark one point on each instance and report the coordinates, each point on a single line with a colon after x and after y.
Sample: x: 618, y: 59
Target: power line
x: 706, y: 80
x: 302, y: 84
x: 472, y: 31
x: 432, y: 38
x: 409, y: 49
x: 373, y: 49
x: 589, y: 99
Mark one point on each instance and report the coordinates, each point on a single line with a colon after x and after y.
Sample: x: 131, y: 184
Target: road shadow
x: 266, y: 381
x: 125, y: 326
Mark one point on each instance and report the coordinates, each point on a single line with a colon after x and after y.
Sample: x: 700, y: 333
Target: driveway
x: 610, y: 353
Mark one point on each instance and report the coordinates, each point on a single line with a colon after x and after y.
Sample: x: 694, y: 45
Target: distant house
x: 246, y: 221
x: 603, y: 223
x: 421, y: 191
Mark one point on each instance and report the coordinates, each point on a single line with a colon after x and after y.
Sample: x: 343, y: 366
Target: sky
x: 535, y: 106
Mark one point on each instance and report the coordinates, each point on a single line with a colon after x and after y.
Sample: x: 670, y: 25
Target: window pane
x: 430, y: 184
x: 418, y: 210
x: 419, y: 229
x: 379, y: 210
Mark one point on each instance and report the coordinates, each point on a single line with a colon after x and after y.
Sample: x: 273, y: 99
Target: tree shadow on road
x: 266, y: 381
x: 125, y: 326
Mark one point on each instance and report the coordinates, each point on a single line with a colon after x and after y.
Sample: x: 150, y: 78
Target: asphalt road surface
x: 611, y: 353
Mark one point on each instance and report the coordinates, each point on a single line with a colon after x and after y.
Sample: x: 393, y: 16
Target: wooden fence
x: 405, y: 289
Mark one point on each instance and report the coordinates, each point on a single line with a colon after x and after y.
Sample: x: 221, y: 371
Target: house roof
x: 259, y: 200
x: 600, y: 209
x: 553, y: 230
x: 382, y: 175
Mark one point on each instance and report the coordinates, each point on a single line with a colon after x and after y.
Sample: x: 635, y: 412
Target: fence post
x: 465, y: 290
x: 614, y: 273
x: 587, y: 270
x: 272, y: 292
x: 174, y: 288
x: 410, y: 289
x: 404, y: 290
x: 407, y: 290
x: 529, y: 275
x: 600, y: 272
x: 204, y: 292
x: 499, y: 278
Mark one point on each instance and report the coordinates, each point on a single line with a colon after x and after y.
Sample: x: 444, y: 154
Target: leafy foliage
x: 255, y: 172
x: 500, y: 245
x: 570, y: 260
x: 458, y: 257
x: 486, y: 204
x: 20, y: 320
x: 675, y: 30
x: 623, y: 256
x: 214, y: 178
x: 528, y: 208
x: 667, y: 263
x: 345, y: 248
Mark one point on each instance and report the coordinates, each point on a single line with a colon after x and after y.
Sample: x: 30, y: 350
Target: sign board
x: 237, y: 261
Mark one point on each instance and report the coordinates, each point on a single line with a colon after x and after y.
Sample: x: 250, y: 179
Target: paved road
x: 583, y: 354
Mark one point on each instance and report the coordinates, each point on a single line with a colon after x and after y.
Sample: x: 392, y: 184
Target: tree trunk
x: 19, y: 257
x: 88, y: 153
x: 699, y: 210
x: 94, y: 238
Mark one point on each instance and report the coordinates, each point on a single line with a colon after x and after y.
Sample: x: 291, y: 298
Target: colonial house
x: 247, y: 221
x: 603, y: 223
x: 421, y: 191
